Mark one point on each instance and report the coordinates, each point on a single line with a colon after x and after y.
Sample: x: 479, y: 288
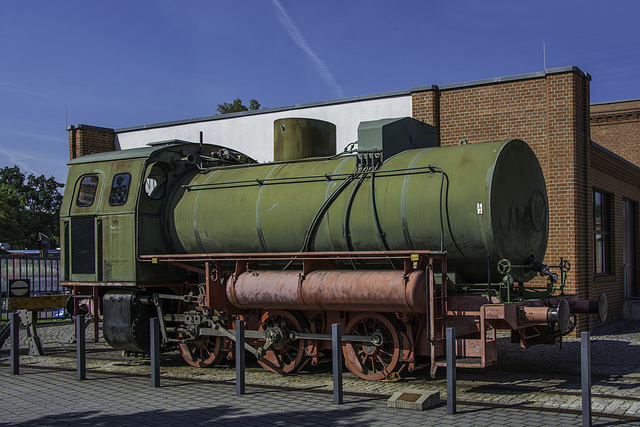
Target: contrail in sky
x: 20, y: 159
x: 302, y: 44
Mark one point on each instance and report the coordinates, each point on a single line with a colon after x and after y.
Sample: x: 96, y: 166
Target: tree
x: 10, y: 211
x: 28, y: 205
x: 237, y: 106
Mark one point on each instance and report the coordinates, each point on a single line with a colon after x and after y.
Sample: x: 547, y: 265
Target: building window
x: 119, y: 189
x: 87, y: 191
x: 602, y: 231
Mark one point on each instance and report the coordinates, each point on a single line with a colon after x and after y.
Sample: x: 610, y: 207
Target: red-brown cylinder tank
x: 330, y: 290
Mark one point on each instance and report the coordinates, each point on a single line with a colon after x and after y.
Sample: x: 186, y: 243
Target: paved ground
x: 56, y: 398
x: 543, y: 377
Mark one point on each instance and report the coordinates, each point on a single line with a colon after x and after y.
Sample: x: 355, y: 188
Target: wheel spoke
x: 386, y: 353
x: 382, y: 362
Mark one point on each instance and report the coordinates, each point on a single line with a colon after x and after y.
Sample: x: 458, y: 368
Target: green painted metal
x: 299, y: 138
x: 470, y: 200
x: 108, y: 237
x: 392, y: 136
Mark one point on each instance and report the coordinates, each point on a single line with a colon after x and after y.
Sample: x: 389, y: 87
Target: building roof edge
x: 393, y: 94
x: 611, y: 153
x: 616, y: 102
x: 81, y: 126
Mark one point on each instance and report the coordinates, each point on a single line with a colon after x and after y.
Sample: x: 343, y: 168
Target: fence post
x: 81, y: 354
x: 155, y: 351
x: 336, y: 357
x: 15, y: 343
x: 451, y: 371
x: 240, y: 365
x: 585, y: 373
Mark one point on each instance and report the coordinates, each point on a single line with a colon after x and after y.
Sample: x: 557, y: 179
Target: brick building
x: 614, y: 174
x: 589, y: 154
x: 616, y: 127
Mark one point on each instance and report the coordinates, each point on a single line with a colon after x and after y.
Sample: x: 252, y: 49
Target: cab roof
x: 131, y: 153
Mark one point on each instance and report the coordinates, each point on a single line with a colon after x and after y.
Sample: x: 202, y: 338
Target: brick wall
x: 427, y: 102
x: 616, y: 126
x: 620, y: 180
x: 551, y: 112
x: 84, y: 139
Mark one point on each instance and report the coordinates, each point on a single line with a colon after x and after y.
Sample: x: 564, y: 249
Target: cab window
x: 119, y: 189
x: 87, y: 191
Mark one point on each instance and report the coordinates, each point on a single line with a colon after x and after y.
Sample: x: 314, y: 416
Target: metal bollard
x: 81, y: 354
x: 585, y: 373
x: 451, y: 371
x: 15, y: 343
x: 240, y: 362
x: 336, y: 349
x: 154, y: 327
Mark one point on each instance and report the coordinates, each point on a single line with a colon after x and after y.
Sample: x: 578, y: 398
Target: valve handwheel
x: 504, y: 266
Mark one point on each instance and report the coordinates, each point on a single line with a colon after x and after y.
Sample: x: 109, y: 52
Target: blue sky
x: 133, y: 62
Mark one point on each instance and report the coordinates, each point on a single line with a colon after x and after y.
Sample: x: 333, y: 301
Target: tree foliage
x: 237, y: 106
x: 28, y: 205
x: 10, y: 210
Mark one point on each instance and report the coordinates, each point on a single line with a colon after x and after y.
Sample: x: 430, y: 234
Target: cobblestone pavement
x: 543, y: 377
x: 56, y: 398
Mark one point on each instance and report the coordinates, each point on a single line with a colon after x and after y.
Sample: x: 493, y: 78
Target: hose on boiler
x: 346, y: 225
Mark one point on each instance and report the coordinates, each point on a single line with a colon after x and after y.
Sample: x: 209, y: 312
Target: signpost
x: 19, y: 300
x: 19, y: 287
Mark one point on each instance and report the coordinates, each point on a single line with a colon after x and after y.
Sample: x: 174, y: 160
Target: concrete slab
x: 417, y: 400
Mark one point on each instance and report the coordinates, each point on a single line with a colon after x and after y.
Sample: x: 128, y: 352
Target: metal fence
x: 43, y: 274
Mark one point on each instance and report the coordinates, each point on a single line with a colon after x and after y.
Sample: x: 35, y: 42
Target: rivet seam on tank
x: 403, y: 200
x: 263, y: 242
x: 196, y: 206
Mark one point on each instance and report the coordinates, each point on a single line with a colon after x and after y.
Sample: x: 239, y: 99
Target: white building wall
x: 252, y: 134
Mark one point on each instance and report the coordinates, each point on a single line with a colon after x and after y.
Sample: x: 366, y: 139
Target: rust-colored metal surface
x: 373, y: 290
x: 327, y: 290
x: 285, y: 256
x: 374, y: 362
x: 536, y: 314
x: 406, y: 309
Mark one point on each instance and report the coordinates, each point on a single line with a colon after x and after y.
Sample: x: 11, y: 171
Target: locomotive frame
x: 476, y: 318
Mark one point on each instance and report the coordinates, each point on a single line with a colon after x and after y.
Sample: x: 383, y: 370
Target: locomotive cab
x: 112, y: 212
x: 98, y: 217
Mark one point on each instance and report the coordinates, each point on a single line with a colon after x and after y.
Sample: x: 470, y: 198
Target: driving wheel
x: 375, y: 360
x: 283, y: 355
x: 204, y: 352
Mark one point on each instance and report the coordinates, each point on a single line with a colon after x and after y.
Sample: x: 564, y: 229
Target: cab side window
x: 119, y: 189
x: 87, y: 191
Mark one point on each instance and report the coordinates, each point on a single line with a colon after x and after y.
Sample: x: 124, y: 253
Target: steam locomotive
x: 395, y: 238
